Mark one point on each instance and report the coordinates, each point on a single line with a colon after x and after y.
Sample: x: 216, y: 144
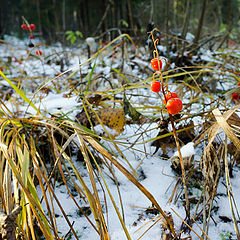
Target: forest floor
x: 64, y: 84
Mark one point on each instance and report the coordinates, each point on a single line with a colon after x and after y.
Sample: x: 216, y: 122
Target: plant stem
x: 182, y: 167
x: 174, y: 133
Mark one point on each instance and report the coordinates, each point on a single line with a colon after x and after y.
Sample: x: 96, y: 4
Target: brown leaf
x: 82, y: 119
x: 113, y: 118
x: 95, y: 99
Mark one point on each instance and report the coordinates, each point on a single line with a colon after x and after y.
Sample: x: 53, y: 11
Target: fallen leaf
x: 114, y: 118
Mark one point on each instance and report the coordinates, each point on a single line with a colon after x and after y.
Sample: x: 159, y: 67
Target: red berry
x: 39, y: 52
x: 154, y: 64
x: 238, y: 84
x: 235, y: 96
x: 174, y: 105
x: 24, y: 26
x: 156, y: 86
x: 32, y: 26
x: 168, y: 96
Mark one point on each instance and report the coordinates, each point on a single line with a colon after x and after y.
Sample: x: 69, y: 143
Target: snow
x: 186, y: 151
x: 153, y: 172
x: 100, y: 130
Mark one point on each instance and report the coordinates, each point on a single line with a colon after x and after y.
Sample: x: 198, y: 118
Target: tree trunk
x: 200, y: 22
x: 56, y: 16
x: 39, y: 18
x: 186, y: 19
x: 88, y: 27
x: 63, y: 15
x: 151, y: 12
x: 102, y: 22
x: 167, y: 26
x: 130, y: 16
x: 3, y: 17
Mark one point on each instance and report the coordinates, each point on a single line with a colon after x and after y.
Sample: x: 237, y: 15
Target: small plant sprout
x: 73, y: 36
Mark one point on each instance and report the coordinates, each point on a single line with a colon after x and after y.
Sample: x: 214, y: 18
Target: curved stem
x: 155, y: 53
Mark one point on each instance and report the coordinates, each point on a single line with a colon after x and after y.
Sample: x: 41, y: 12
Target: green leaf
x: 79, y: 34
x: 130, y: 110
x: 69, y: 37
x: 73, y: 39
x: 69, y: 32
x: 124, y: 23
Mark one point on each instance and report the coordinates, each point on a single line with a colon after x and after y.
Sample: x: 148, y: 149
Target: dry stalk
x: 228, y: 190
x: 155, y: 53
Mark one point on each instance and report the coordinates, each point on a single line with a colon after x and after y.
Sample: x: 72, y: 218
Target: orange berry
x: 168, y: 96
x: 156, y: 86
x: 174, y: 105
x: 155, y: 65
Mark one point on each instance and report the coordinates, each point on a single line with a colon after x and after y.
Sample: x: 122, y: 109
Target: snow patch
x: 186, y: 151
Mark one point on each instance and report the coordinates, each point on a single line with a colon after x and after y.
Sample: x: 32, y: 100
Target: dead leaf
x: 95, y: 99
x: 82, y: 119
x: 113, y: 118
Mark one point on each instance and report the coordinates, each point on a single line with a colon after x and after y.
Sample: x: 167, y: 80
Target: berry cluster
x: 170, y: 99
x: 235, y: 95
x: 173, y: 103
x: 31, y: 27
x: 26, y: 27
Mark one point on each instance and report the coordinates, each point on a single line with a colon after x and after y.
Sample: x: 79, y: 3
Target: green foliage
x: 226, y: 236
x: 223, y: 27
x: 73, y: 36
x: 123, y: 22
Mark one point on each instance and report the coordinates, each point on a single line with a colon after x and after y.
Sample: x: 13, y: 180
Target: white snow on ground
x: 155, y: 173
x: 186, y: 151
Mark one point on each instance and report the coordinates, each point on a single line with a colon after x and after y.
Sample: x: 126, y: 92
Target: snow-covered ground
x: 155, y: 173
